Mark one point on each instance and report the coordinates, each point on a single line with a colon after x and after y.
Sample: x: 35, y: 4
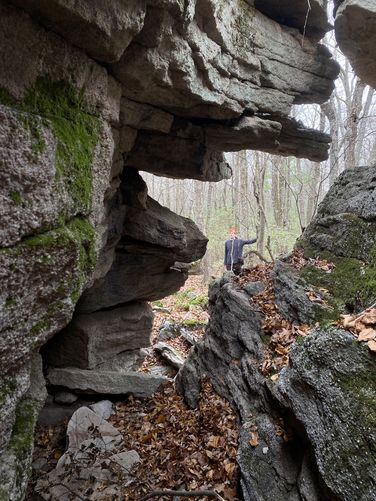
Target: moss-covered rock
x: 344, y: 233
x: 43, y: 276
x: 330, y: 386
x: 352, y: 283
x: 15, y: 460
x: 60, y: 107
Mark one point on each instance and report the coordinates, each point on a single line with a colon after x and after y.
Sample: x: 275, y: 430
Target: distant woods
x: 276, y: 197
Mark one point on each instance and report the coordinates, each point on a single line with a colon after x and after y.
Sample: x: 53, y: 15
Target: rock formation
x: 90, y: 94
x: 355, y: 27
x: 308, y: 431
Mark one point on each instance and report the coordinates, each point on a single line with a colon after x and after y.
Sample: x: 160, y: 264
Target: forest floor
x: 180, y: 448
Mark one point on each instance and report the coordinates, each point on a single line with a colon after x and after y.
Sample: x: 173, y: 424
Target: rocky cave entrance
x: 164, y: 87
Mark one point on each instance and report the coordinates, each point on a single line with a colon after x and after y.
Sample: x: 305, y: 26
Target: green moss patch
x: 8, y: 387
x: 352, y: 283
x: 361, y: 385
x: 15, y: 197
x: 77, y: 236
x: 62, y: 107
x: 23, y: 430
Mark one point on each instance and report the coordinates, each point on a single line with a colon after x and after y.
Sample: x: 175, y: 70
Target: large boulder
x: 265, y: 67
x: 330, y: 386
x: 355, y: 27
x: 153, y: 240
x: 56, y: 156
x: 93, y: 339
x: 343, y: 232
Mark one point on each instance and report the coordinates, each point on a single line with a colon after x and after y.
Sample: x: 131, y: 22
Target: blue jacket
x: 234, y: 250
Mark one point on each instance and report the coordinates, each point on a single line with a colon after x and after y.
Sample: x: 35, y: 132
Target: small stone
x: 265, y: 450
x: 65, y: 398
x: 39, y: 463
x: 127, y: 460
x: 103, y: 408
x: 172, y: 356
x: 254, y: 288
x: 82, y: 425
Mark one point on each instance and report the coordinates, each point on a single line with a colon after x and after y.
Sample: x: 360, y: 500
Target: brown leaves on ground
x: 363, y: 326
x: 283, y: 333
x: 298, y: 260
x: 180, y: 448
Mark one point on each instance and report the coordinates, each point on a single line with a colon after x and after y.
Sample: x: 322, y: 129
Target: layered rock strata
x: 295, y: 427
x: 88, y: 88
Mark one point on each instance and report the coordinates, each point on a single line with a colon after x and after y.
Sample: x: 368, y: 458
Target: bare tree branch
x: 195, y: 494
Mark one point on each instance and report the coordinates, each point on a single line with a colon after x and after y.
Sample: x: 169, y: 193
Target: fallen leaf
x: 348, y: 321
x: 369, y: 317
x: 254, y: 440
x: 213, y: 441
x: 372, y: 345
x: 367, y: 335
x: 230, y: 468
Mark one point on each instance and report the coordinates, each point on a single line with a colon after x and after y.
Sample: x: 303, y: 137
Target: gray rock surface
x: 93, y: 339
x: 170, y: 354
x: 144, y: 117
x: 106, y: 382
x: 104, y: 30
x: 330, y: 387
x: 123, y: 283
x: 65, y: 398
x: 311, y: 20
x: 103, y: 409
x: 52, y: 197
x: 181, y: 154
x: 16, y: 458
x: 254, y: 288
x: 249, y: 70
x: 355, y: 27
x: 343, y: 232
x: 153, y: 239
x: 291, y: 298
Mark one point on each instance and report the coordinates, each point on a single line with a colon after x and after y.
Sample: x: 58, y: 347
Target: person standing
x: 234, y: 251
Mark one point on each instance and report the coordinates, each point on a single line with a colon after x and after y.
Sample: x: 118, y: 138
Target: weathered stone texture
x: 15, y: 460
x: 90, y: 340
x: 102, y: 29
x: 330, y: 387
x: 310, y: 19
x: 344, y: 233
x: 263, y: 67
x: 355, y: 27
x: 103, y: 381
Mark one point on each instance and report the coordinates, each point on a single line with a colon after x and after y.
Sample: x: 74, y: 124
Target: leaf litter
x: 282, y: 333
x: 362, y: 326
x: 180, y: 448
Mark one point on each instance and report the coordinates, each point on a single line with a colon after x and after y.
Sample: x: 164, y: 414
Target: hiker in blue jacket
x: 234, y: 251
